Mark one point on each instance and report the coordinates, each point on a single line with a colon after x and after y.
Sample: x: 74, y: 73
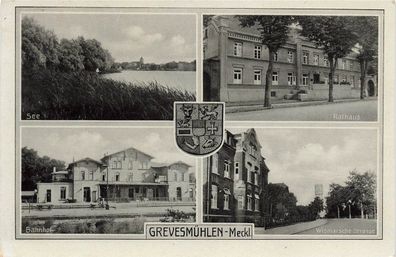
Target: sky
x: 68, y: 143
x: 158, y: 38
x: 298, y: 157
x: 301, y: 158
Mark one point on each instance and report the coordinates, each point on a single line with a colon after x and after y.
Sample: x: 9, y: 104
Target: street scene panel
x: 294, y: 181
x: 303, y: 68
x: 105, y: 66
x: 103, y: 181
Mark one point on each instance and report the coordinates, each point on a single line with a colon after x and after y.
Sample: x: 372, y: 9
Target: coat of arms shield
x: 199, y: 126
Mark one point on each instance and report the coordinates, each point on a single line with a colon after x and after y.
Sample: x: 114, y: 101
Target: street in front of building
x: 326, y: 227
x: 346, y: 111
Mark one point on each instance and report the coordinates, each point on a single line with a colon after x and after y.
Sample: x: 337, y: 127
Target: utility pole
x: 107, y: 185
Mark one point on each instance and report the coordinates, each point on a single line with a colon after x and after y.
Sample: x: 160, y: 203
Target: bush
x: 88, y: 96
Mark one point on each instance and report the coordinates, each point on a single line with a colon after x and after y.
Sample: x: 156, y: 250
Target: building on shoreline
x: 234, y: 180
x: 235, y: 65
x: 127, y: 175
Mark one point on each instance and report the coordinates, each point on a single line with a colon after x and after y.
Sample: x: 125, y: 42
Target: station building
x: 127, y: 175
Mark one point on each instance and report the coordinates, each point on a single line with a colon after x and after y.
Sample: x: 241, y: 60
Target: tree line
x: 37, y: 168
x: 280, y: 207
x: 41, y: 49
x: 357, y: 198
x: 335, y: 35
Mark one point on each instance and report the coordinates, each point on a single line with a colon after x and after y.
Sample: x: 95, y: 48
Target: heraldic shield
x: 199, y: 127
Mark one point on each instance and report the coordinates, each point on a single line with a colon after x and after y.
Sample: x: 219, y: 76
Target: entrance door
x: 178, y: 193
x: 48, y: 198
x: 94, y: 196
x: 371, y: 89
x: 316, y: 78
x: 150, y: 193
x: 87, y: 194
x: 131, y: 193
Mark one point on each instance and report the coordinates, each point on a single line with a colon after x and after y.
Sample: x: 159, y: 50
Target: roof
x: 180, y: 163
x: 163, y: 164
x: 130, y: 148
x: 87, y: 159
x: 28, y: 193
x: 60, y: 172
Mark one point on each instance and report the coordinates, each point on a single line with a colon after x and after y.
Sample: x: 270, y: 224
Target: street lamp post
x: 349, y: 206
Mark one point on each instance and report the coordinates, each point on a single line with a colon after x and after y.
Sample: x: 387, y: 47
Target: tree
x: 94, y: 55
x: 273, y: 34
x: 39, y: 46
x: 70, y: 56
x: 37, y: 169
x: 316, y: 206
x: 364, y: 188
x: 333, y: 34
x: 366, y: 31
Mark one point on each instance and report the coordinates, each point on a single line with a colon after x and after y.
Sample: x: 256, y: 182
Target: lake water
x: 184, y: 80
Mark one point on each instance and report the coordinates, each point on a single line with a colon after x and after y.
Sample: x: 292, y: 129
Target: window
x: 273, y: 93
x: 117, y: 177
x: 257, y: 52
x: 316, y: 59
x: 305, y: 79
x: 130, y: 165
x: 249, y: 172
x: 174, y: 176
x: 114, y: 166
x: 91, y: 175
x: 236, y: 167
x: 226, y: 201
x: 238, y: 49
x: 256, y: 202
x: 326, y: 62
x: 215, y: 163
x: 240, y: 202
x: 290, y: 57
x: 130, y: 177
x: 227, y: 168
x: 275, y: 78
x: 291, y: 79
x: 305, y: 58
x: 336, y: 79
x: 352, y: 80
x: 343, y: 64
x: 103, y: 177
x: 213, y: 199
x: 63, y: 193
x: 256, y: 176
x: 249, y: 202
x: 275, y: 57
x: 350, y: 65
x: 82, y: 175
x: 238, y: 76
x: 257, y: 77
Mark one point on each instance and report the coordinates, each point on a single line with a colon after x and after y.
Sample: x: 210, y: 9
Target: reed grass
x: 88, y: 96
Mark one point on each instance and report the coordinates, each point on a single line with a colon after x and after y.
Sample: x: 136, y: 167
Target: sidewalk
x: 257, y: 106
x: 291, y: 229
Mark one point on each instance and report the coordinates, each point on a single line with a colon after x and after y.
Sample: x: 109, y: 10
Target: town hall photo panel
x: 293, y: 68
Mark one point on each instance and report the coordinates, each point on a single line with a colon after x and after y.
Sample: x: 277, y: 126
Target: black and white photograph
x: 79, y: 65
x: 295, y: 181
x: 103, y: 180
x: 292, y: 68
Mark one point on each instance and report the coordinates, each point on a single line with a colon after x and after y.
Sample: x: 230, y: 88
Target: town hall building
x: 127, y: 175
x: 235, y: 65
